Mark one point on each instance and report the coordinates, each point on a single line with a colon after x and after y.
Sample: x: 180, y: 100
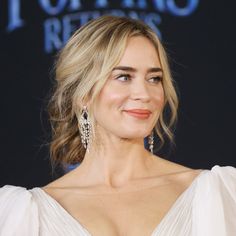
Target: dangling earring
x: 151, y: 142
x: 85, y: 127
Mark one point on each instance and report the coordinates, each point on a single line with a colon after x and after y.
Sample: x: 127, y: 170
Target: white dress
x: 206, y: 208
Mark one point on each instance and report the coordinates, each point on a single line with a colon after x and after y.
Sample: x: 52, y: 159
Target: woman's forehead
x: 140, y: 52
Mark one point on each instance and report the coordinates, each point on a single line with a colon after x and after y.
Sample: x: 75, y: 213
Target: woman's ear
x: 84, y: 104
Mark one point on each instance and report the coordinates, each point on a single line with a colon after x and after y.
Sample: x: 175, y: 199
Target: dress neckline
x: 164, y: 218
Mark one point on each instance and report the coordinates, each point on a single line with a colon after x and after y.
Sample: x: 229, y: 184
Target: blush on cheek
x: 160, y: 100
x: 116, y: 100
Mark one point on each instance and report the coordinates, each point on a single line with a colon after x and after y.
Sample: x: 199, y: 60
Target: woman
x: 113, y: 87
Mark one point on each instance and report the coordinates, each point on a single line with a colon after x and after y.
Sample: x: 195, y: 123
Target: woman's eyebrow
x: 155, y: 69
x: 131, y: 69
x: 125, y: 68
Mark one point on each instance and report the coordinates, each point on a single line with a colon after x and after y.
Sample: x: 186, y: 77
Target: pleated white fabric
x: 206, y: 208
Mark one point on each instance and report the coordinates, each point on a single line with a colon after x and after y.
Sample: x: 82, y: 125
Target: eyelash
x: 122, y: 76
x: 159, y: 79
x: 156, y: 78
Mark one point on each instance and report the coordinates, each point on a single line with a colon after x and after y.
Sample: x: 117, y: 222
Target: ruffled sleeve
x: 18, y: 212
x: 214, y: 209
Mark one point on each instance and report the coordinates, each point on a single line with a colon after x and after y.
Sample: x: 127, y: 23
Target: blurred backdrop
x: 199, y: 36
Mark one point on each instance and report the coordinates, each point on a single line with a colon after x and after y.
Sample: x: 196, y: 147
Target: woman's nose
x: 140, y: 91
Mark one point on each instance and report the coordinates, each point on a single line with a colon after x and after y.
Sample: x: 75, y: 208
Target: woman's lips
x: 139, y: 113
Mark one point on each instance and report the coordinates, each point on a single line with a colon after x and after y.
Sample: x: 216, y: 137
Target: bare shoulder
x: 58, y: 186
x: 70, y: 183
x: 169, y: 166
x: 175, y: 171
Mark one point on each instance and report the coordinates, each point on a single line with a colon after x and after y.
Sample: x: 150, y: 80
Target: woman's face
x: 130, y: 102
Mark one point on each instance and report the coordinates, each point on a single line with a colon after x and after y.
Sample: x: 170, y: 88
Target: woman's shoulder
x: 9, y: 189
x: 224, y: 175
x: 214, y: 206
x: 220, y: 171
x: 18, y: 211
x: 15, y: 193
x: 222, y: 178
x: 10, y: 193
x: 218, y: 185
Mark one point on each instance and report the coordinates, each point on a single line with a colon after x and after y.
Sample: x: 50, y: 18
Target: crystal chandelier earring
x: 151, y: 142
x: 85, y: 127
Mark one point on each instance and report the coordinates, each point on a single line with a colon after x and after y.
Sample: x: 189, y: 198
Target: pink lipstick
x: 139, y: 113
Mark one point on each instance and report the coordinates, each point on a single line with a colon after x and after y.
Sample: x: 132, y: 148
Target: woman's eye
x: 123, y: 77
x: 155, y: 79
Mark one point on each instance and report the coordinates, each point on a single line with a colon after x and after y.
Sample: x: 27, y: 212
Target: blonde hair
x: 81, y: 70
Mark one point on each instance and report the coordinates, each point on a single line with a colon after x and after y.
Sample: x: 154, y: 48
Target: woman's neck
x: 115, y: 163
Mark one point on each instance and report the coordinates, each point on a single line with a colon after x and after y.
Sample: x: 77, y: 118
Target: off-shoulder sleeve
x: 214, y: 207
x: 18, y: 212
